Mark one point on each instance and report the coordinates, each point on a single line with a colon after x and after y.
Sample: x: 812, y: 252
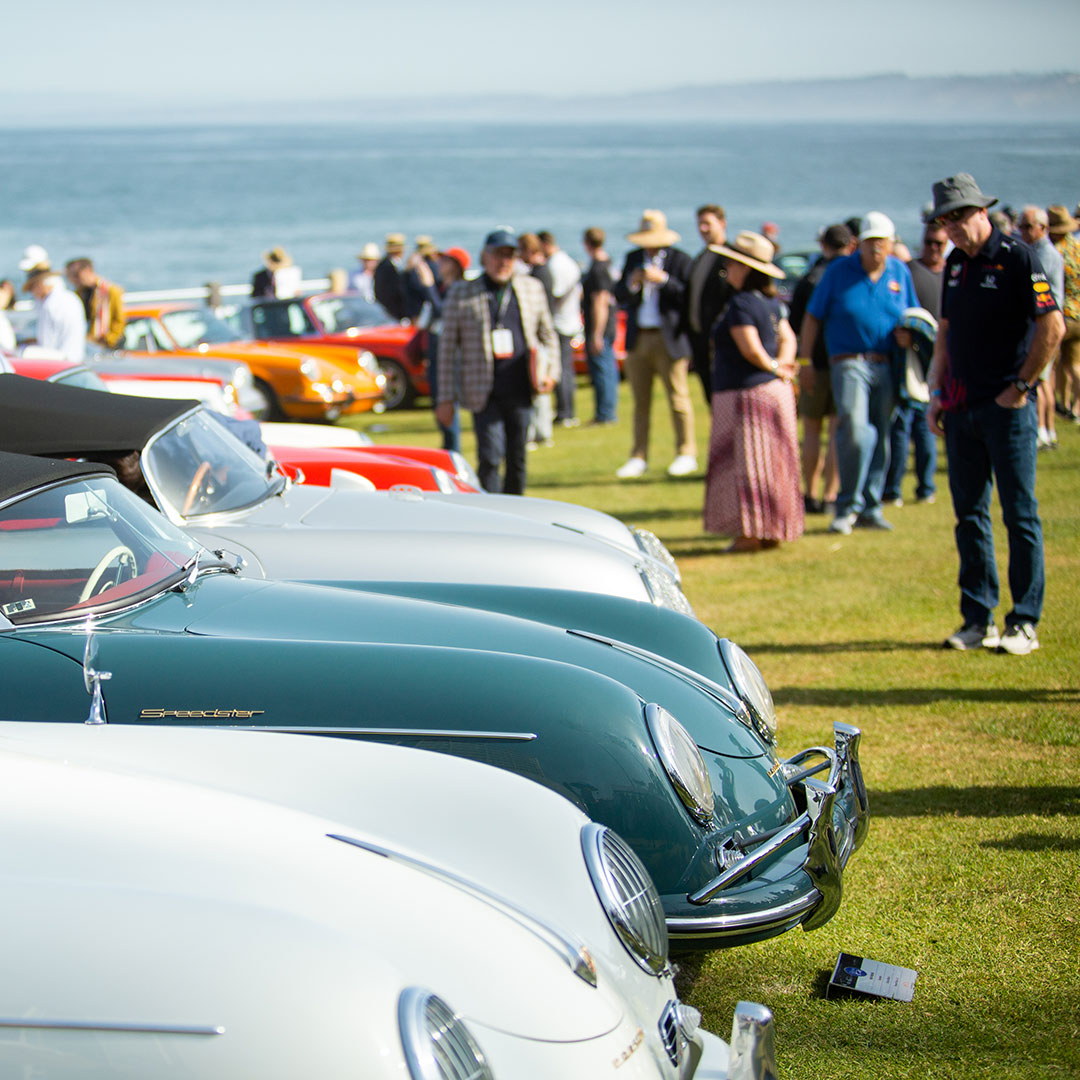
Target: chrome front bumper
x: 832, y: 824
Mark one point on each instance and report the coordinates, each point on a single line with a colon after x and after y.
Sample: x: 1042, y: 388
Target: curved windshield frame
x: 84, y: 547
x: 197, y: 467
x: 339, y: 314
x: 191, y: 327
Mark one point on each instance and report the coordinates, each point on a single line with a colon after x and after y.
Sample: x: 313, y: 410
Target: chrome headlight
x: 366, y: 361
x: 310, y: 369
x: 464, y: 471
x: 682, y: 761
x: 437, y: 1044
x: 663, y: 588
x: 628, y: 896
x: 750, y: 685
x: 651, y: 544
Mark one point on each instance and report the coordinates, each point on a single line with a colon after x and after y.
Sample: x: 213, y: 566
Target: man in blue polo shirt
x: 999, y: 327
x: 858, y: 303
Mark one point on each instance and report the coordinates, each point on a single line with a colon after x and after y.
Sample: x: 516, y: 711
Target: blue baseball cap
x: 500, y: 237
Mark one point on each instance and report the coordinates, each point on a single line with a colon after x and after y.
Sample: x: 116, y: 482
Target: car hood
x: 233, y: 874
x: 331, y: 615
x: 345, y: 535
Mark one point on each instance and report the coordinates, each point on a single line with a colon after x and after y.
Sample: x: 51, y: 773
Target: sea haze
x: 178, y: 206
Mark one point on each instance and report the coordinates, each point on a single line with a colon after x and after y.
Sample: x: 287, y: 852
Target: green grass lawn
x: 971, y: 871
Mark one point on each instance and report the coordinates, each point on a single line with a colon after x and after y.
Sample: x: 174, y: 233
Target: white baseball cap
x: 877, y: 226
x: 34, y: 255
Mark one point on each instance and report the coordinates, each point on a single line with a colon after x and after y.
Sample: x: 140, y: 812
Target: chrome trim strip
x: 101, y: 1025
x: 565, y: 945
x: 758, y: 855
x: 511, y: 736
x: 726, y: 697
x: 685, y: 926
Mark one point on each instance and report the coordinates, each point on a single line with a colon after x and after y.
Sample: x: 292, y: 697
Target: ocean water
x: 179, y: 206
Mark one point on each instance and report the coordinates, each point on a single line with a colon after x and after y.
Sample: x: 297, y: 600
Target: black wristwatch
x: 1021, y: 386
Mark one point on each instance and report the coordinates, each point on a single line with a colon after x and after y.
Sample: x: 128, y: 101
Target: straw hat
x: 1061, y: 221
x: 395, y: 241
x: 276, y: 258
x: 425, y: 245
x: 369, y: 251
x: 653, y: 232
x: 753, y: 250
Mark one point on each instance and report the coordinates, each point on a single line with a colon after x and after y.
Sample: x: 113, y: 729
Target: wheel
x: 398, y: 393
x: 124, y: 558
x: 271, y: 410
x: 196, y: 488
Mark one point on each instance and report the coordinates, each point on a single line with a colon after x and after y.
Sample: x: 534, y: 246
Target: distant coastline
x: 886, y: 98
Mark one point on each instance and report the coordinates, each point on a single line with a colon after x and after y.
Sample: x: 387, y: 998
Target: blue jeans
x: 864, y: 396
x: 604, y: 373
x: 451, y: 436
x: 987, y: 443
x: 564, y: 388
x: 909, y: 425
x: 502, y: 429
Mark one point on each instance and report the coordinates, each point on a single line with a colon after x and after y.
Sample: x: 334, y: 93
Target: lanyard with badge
x: 502, y: 339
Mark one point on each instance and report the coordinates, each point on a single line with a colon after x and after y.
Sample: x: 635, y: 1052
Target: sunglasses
x: 953, y: 216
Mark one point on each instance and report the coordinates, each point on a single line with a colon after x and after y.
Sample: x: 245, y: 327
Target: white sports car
x: 182, y: 903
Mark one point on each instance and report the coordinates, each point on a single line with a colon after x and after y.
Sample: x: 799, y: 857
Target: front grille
x: 669, y: 1031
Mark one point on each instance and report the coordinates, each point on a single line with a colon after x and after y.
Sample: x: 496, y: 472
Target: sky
x: 81, y: 57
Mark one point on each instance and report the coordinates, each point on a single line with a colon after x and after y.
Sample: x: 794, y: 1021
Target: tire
x: 399, y: 392
x: 273, y: 409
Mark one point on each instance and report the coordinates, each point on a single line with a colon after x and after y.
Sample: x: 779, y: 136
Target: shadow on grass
x: 979, y: 801
x: 1035, y: 842
x: 919, y: 695
x: 820, y: 648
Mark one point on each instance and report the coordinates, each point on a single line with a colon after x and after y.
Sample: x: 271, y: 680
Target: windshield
x: 85, y: 546
x: 199, y: 467
x: 339, y: 314
x: 80, y: 376
x: 190, y: 327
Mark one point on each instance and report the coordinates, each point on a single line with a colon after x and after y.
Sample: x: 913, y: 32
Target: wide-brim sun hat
x: 956, y: 193
x: 753, y: 250
x: 369, y: 251
x: 1060, y: 220
x: 653, y: 232
x: 395, y: 241
x: 276, y: 258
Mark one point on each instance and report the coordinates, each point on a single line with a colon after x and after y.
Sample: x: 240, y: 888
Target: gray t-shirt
x: 927, y: 286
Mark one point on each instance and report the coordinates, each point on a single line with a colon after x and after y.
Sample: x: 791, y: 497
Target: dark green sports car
x: 109, y: 611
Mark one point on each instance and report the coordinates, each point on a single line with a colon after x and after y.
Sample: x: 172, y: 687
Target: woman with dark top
x: 752, y: 488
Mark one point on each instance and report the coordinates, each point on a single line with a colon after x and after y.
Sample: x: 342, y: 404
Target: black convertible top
x: 19, y: 473
x: 65, y: 421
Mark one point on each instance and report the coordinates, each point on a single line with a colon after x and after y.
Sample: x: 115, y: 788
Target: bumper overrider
x: 792, y: 875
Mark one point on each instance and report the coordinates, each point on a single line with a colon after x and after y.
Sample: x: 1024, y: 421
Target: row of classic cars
x: 625, y: 705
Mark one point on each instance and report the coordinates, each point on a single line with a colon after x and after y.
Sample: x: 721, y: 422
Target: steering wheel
x: 124, y: 558
x: 196, y: 487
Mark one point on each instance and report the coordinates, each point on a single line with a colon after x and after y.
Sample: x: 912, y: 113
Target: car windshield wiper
x: 227, y: 562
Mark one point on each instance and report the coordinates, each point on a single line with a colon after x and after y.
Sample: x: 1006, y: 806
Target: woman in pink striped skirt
x: 752, y: 488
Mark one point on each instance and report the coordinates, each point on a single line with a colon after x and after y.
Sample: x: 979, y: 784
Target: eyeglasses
x: 953, y: 216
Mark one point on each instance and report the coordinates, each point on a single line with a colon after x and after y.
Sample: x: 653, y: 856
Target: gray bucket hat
x: 954, y: 193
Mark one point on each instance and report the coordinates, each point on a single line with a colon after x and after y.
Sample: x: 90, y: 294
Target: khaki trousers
x: 650, y: 358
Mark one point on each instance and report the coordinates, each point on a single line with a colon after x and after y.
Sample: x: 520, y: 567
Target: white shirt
x: 61, y: 323
x: 566, y: 291
x: 7, y: 334
x: 648, y: 315
x: 362, y: 282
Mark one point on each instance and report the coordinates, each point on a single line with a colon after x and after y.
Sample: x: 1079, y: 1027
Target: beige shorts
x: 816, y: 400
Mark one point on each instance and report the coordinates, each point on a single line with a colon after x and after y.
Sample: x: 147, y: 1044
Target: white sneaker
x: 634, y: 468
x: 974, y: 636
x: 1019, y: 639
x: 843, y: 524
x: 683, y: 465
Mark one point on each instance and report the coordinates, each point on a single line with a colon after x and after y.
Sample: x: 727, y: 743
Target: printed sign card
x: 857, y: 974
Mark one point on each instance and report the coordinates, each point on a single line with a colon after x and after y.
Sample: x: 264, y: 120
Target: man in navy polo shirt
x: 999, y: 327
x: 859, y: 302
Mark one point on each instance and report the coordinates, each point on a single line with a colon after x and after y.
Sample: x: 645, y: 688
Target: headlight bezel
x: 424, y: 1021
x: 628, y: 896
x: 681, y: 758
x: 752, y: 689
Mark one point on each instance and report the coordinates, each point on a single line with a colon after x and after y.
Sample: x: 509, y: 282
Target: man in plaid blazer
x: 497, y: 350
